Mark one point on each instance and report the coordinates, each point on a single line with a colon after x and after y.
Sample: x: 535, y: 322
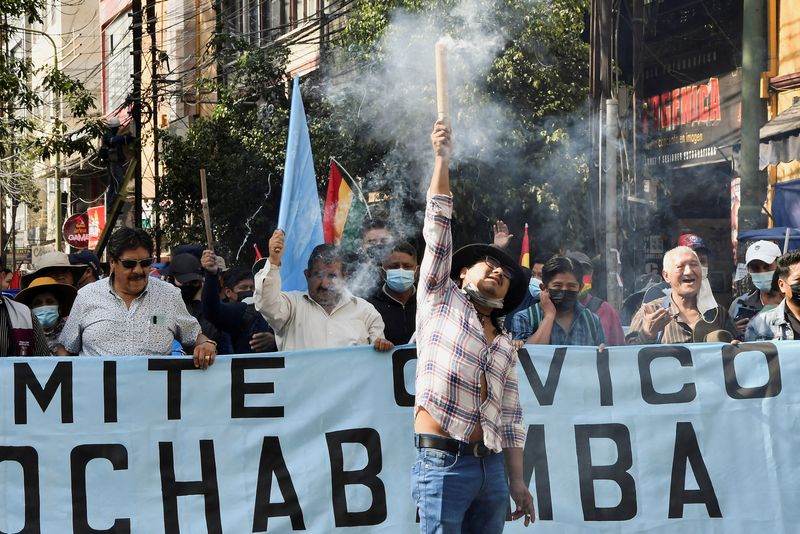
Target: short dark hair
x: 234, y: 275
x: 325, y: 253
x: 128, y: 239
x: 785, y: 263
x: 561, y: 265
x: 405, y: 247
x: 372, y: 224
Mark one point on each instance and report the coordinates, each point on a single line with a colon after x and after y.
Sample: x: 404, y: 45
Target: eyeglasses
x: 130, y: 264
x: 494, y: 263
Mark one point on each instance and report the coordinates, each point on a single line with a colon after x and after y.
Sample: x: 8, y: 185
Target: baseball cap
x: 692, y: 241
x: 87, y: 257
x: 765, y: 251
x: 184, y: 268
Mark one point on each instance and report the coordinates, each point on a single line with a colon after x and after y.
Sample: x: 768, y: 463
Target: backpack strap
x: 594, y: 303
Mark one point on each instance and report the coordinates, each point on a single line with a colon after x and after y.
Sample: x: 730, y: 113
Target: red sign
x: 76, y: 230
x: 97, y: 222
x: 688, y: 125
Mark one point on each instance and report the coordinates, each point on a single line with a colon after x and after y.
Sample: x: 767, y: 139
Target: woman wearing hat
x: 50, y: 302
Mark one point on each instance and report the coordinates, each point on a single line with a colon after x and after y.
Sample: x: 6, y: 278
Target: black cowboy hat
x: 469, y: 255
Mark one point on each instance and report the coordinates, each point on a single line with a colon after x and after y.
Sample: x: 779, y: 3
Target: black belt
x: 461, y: 448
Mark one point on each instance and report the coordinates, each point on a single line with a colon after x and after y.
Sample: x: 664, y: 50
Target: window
x: 118, y: 62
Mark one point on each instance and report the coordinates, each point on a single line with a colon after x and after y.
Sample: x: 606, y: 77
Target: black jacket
x: 400, y: 320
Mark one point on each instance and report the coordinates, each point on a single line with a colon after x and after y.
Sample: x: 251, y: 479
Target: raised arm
x: 274, y: 305
x: 440, y: 138
x: 434, y: 272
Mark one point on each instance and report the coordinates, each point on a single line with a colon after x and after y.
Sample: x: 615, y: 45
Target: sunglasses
x: 494, y: 263
x: 130, y: 264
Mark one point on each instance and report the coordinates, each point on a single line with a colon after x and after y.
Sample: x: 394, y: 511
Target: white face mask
x: 479, y: 298
x: 763, y: 281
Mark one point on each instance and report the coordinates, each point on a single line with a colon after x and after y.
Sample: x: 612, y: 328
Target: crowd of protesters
x: 197, y: 305
x: 468, y: 310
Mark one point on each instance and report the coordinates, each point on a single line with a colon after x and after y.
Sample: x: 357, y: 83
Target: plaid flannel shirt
x: 453, y: 352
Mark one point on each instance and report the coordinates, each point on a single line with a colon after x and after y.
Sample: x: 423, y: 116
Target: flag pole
x: 356, y: 186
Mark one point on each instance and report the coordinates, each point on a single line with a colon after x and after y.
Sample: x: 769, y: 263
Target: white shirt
x: 101, y: 324
x: 300, y: 323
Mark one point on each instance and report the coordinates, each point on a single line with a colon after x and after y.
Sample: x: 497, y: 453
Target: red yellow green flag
x: 345, y: 206
x: 525, y: 255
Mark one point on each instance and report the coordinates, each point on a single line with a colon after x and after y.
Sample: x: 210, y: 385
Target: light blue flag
x: 300, y: 215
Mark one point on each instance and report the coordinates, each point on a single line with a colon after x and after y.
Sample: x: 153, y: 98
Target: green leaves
x: 242, y: 147
x: 535, y: 170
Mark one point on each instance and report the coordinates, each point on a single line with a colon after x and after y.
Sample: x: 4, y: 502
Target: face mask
x: 478, y: 298
x: 241, y: 295
x: 795, y: 293
x: 562, y: 299
x: 47, y: 315
x: 762, y: 281
x: 399, y: 280
x: 535, y: 288
x: 188, y: 292
x: 704, y: 271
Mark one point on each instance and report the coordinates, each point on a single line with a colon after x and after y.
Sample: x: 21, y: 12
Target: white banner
x: 674, y: 439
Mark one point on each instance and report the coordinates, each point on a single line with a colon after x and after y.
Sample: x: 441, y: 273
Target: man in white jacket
x: 327, y: 315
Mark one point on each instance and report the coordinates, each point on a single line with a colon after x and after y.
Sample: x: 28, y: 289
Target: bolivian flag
x: 525, y: 254
x: 345, y: 208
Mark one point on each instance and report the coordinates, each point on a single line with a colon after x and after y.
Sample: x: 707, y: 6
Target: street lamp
x: 57, y: 111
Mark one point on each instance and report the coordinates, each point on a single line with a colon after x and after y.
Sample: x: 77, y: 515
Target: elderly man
x: 467, y: 401
x: 132, y: 313
x: 782, y: 321
x: 327, y: 315
x: 686, y: 314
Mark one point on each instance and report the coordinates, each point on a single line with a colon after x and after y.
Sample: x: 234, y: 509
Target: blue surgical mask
x: 400, y: 279
x: 47, y: 315
x: 535, y: 287
x: 763, y: 281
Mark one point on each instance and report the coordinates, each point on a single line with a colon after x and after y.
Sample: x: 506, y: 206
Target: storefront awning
x: 780, y: 138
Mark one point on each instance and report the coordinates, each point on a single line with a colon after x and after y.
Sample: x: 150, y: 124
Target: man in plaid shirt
x: 467, y: 401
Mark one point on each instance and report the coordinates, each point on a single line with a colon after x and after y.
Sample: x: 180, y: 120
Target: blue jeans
x: 459, y: 494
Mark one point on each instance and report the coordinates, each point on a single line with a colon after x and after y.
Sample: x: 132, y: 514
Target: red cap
x: 692, y: 241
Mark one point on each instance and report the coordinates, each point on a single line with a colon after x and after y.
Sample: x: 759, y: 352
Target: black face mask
x: 188, y: 292
x: 795, y: 293
x: 241, y: 295
x: 562, y: 299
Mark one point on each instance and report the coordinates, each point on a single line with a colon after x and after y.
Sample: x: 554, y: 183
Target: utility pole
x: 600, y: 43
x: 136, y: 97
x: 5, y: 38
x: 151, y: 30
x: 754, y: 114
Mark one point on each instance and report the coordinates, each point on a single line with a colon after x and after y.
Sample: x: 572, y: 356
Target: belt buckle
x: 476, y: 450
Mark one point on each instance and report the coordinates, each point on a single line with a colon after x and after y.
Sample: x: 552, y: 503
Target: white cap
x: 112, y: 122
x: 765, y: 251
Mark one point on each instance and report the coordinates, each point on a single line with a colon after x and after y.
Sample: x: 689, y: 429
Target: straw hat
x: 64, y: 293
x: 52, y: 261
